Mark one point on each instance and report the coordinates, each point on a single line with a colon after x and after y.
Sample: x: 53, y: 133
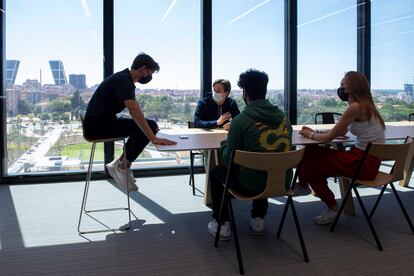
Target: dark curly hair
x: 254, y: 83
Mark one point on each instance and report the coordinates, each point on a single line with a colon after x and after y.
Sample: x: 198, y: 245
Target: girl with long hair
x: 364, y: 121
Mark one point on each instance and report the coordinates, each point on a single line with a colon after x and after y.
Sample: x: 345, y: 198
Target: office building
x: 58, y: 72
x: 78, y: 81
x: 12, y: 66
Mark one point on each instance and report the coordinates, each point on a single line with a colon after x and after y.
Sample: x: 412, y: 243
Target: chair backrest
x: 191, y: 124
x: 400, y: 153
x: 411, y: 117
x: 276, y: 164
x: 327, y: 117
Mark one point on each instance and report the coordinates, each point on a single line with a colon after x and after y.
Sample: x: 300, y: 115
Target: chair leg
x: 235, y: 236
x: 402, y: 208
x: 364, y: 211
x: 86, y: 189
x: 127, y: 193
x: 282, y: 220
x: 223, y: 202
x: 377, y: 201
x: 302, y: 242
x: 191, y: 181
x: 85, y: 197
x: 341, y: 208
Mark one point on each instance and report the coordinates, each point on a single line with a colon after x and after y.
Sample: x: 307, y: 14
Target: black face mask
x: 144, y: 80
x: 342, y: 95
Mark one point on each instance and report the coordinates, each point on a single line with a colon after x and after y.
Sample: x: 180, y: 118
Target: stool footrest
x: 107, y: 209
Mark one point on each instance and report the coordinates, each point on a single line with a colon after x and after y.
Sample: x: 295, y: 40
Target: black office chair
x: 327, y: 117
x: 411, y: 117
x: 191, y: 182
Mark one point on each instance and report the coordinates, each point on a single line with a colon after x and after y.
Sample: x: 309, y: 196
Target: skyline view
x: 39, y: 31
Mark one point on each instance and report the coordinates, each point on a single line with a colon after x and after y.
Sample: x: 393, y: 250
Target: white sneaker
x: 225, y: 231
x: 116, y: 163
x: 327, y: 217
x: 257, y: 226
x: 127, y: 175
x: 120, y: 176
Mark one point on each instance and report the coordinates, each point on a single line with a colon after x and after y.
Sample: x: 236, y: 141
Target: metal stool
x: 86, y: 190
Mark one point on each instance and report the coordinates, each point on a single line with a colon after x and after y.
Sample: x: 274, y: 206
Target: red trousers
x: 319, y: 163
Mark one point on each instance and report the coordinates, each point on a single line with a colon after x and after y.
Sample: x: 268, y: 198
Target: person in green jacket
x: 261, y: 127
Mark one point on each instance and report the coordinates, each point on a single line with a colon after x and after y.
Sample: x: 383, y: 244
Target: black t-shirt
x: 109, y: 97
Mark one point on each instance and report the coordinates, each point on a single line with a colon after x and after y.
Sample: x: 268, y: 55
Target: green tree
x: 44, y: 116
x: 59, y: 106
x: 23, y: 107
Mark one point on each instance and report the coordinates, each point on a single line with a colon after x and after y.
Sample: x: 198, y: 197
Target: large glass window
x: 327, y: 34
x: 249, y: 34
x: 53, y: 63
x: 169, y: 31
x: 392, y: 61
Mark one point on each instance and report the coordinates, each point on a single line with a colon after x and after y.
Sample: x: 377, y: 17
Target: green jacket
x: 261, y: 127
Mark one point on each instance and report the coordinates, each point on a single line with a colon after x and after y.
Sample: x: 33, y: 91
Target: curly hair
x: 254, y: 83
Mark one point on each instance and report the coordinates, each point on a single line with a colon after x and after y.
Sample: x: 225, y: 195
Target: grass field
x: 82, y: 151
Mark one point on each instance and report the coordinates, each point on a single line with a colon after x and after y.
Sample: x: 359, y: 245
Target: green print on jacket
x: 261, y: 127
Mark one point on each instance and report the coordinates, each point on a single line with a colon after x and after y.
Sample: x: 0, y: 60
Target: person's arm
x: 198, y: 117
x: 340, y: 128
x: 136, y: 113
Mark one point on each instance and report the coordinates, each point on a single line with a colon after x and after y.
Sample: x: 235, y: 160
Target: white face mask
x: 218, y: 97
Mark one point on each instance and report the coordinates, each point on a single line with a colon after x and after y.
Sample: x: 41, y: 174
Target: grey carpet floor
x: 38, y: 234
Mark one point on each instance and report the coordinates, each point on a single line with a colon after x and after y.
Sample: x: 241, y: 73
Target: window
x: 326, y: 50
x: 392, y: 61
x: 46, y: 42
x: 169, y: 31
x: 249, y: 34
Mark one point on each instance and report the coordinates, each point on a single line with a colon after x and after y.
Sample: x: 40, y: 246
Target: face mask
x: 342, y: 95
x: 144, y: 80
x: 218, y: 97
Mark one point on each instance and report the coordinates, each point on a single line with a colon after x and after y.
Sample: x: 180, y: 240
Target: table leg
x: 344, y: 186
x: 212, y: 160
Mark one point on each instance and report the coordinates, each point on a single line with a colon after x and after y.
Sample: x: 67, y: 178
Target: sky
x: 246, y: 34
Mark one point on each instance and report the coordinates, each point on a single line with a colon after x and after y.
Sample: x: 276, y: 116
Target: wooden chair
x: 327, y: 117
x: 191, y: 181
x: 399, y: 153
x: 88, y: 179
x: 276, y: 165
x: 411, y: 117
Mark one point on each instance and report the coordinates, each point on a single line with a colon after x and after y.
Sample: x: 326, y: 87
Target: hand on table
x: 162, y: 141
x: 224, y: 117
x: 306, y: 131
x: 226, y: 126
